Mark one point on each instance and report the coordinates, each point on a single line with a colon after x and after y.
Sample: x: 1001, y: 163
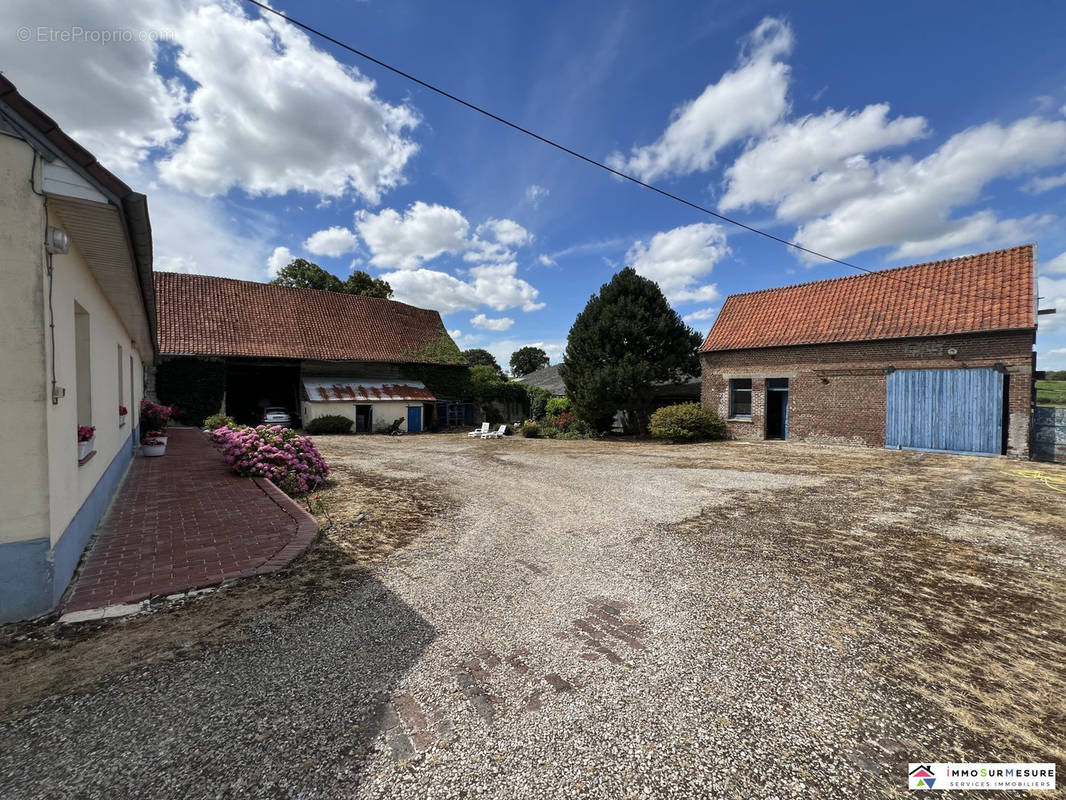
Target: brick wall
x: 837, y: 391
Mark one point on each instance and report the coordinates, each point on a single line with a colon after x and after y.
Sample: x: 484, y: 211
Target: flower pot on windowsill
x: 84, y: 448
x: 122, y: 420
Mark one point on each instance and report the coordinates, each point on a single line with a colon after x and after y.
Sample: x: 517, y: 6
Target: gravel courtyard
x: 547, y: 619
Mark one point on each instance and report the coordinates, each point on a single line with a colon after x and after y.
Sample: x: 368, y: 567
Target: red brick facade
x: 837, y: 391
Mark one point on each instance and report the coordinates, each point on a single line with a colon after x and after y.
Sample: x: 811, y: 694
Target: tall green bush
x: 625, y: 340
x: 329, y: 424
x: 558, y: 405
x: 686, y: 422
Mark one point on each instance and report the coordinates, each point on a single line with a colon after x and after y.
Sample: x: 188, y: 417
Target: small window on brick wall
x: 740, y: 398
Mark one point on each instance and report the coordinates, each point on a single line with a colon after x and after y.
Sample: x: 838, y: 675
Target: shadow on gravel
x: 291, y: 709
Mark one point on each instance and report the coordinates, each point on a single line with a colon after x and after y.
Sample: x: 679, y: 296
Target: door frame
x: 777, y: 390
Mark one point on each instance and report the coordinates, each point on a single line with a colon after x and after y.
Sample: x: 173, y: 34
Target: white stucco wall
x: 23, y: 387
x: 70, y: 483
x: 385, y: 411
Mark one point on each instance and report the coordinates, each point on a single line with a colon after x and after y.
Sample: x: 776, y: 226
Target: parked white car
x: 276, y: 415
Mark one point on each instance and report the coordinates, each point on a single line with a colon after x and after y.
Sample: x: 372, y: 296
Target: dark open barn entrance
x: 251, y: 387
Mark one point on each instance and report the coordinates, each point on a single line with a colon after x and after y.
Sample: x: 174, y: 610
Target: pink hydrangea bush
x: 291, y: 461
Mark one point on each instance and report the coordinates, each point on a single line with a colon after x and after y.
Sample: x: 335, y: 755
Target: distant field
x: 1051, y: 393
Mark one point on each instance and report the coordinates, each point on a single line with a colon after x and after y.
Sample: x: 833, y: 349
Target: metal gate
x: 945, y: 410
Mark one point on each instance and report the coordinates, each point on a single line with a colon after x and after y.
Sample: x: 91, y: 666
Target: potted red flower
x: 152, y: 446
x: 122, y: 412
x: 86, y: 438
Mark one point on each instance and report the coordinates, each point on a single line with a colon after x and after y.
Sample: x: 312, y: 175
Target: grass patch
x: 1051, y: 393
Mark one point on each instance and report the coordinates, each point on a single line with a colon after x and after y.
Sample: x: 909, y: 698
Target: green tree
x: 528, y: 359
x: 303, y: 274
x: 625, y: 340
x: 477, y: 357
x: 361, y: 283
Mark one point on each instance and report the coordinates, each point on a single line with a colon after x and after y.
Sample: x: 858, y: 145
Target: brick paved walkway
x: 184, y: 521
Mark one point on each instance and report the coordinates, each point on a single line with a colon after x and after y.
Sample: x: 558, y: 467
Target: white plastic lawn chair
x: 497, y: 434
x: 484, y: 429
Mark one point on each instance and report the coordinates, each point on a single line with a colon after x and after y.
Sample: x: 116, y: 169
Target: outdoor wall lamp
x: 56, y: 240
x: 952, y: 352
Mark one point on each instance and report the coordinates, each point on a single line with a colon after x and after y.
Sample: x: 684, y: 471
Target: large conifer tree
x: 626, y: 339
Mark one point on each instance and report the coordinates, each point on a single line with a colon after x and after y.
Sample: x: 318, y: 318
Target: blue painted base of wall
x: 33, y: 577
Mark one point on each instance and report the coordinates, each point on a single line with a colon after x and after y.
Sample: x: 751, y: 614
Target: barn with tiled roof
x: 312, y: 352
x: 935, y: 356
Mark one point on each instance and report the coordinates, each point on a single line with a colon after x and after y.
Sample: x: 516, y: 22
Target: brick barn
x: 240, y: 347
x: 935, y: 357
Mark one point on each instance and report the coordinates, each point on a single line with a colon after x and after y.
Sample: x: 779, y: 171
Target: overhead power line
x: 589, y: 160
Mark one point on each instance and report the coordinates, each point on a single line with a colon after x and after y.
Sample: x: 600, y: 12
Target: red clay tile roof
x: 984, y: 292
x: 207, y: 316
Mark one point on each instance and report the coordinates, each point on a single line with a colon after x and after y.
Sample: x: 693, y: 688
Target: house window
x: 740, y: 398
x: 82, y: 367
x: 133, y: 395
x: 121, y: 382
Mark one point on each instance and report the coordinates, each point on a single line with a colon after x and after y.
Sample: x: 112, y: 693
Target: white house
x: 77, y: 321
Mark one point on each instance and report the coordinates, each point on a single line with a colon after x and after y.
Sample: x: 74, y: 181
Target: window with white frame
x: 740, y: 398
x: 82, y: 366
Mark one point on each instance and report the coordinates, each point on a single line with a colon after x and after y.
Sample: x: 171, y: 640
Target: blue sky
x: 884, y: 136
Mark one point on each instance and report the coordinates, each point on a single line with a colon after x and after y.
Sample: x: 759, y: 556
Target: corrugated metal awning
x: 333, y: 390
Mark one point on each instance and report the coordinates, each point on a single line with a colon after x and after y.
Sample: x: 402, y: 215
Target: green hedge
x: 686, y: 422
x: 329, y: 424
x: 194, y: 385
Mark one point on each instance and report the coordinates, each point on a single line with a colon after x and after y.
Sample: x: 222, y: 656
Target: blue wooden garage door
x: 945, y: 410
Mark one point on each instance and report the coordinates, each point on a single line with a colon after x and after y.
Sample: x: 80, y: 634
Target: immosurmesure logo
x: 941, y: 777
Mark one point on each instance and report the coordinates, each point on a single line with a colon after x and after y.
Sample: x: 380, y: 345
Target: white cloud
x: 455, y: 334
x: 423, y: 232
x: 108, y: 97
x: 547, y: 261
x: 200, y: 236
x: 535, y: 193
x: 492, y: 324
x: 429, y: 288
x: 505, y: 231
x: 1057, y: 265
x: 701, y: 315
x: 499, y: 288
x: 493, y: 285
x: 677, y: 259
x: 908, y: 203
x: 1039, y: 185
x: 333, y: 242
x: 427, y: 231
x: 809, y: 166
x: 496, y: 240
x: 1052, y: 292
x: 254, y: 123
x: 279, y: 259
x: 743, y: 103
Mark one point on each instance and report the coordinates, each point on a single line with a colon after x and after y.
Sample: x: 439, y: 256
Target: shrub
x: 558, y: 405
x: 530, y: 430
x: 686, y: 422
x: 538, y: 398
x: 216, y: 421
x: 331, y: 423
x: 155, y: 416
x: 290, y: 460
